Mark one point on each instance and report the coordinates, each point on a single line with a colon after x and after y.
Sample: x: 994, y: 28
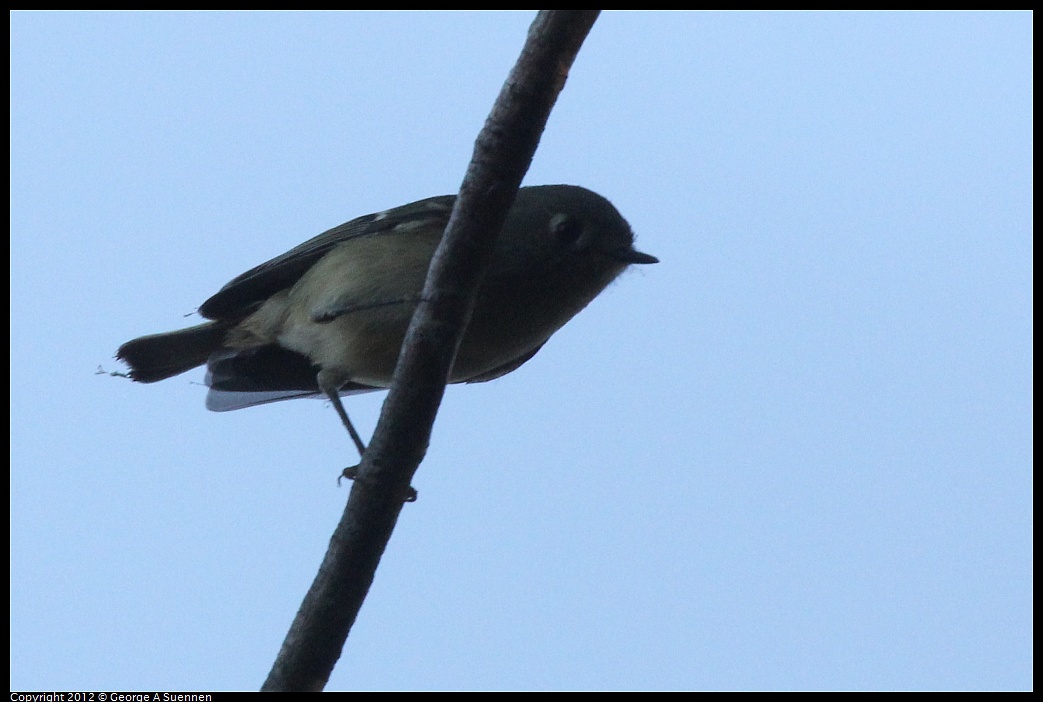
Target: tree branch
x: 502, y: 154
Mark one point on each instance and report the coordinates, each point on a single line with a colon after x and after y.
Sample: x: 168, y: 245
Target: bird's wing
x: 244, y: 293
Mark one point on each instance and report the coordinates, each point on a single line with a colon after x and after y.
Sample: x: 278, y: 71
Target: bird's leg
x: 339, y: 406
x: 330, y: 382
x: 351, y: 472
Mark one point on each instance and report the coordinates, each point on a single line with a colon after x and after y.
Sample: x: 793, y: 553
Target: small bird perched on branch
x: 329, y: 316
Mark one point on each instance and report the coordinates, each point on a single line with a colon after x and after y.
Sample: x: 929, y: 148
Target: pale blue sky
x: 797, y: 453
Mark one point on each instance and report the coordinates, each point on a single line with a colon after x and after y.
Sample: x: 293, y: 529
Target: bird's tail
x: 160, y: 356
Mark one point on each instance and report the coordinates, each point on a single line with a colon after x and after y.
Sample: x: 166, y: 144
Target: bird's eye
x: 567, y: 228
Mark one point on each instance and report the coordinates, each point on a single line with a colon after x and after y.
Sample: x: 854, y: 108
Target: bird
x: 328, y: 317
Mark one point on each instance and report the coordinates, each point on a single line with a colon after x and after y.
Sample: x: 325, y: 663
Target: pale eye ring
x: 567, y: 229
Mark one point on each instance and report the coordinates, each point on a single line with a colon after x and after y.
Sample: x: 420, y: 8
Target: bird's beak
x: 633, y: 256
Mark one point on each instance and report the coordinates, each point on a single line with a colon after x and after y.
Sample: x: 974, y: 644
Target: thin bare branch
x: 502, y: 154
